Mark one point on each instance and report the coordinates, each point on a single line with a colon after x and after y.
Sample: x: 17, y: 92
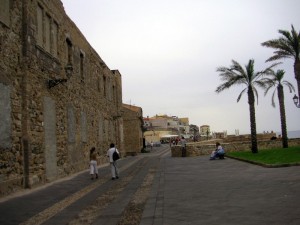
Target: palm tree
x: 287, y: 46
x: 276, y: 80
x: 236, y: 75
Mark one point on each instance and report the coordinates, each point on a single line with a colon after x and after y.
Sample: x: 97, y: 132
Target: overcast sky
x: 168, y: 50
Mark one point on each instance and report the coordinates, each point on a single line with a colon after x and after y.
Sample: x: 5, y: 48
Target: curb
x: 263, y: 164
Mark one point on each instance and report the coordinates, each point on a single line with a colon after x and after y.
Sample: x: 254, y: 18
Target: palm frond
x: 287, y: 45
x: 273, y: 98
x: 296, y: 38
x: 260, y: 83
x: 238, y: 68
x: 241, y: 94
x: 286, y: 34
x: 289, y: 85
x: 222, y: 87
x: 278, y: 57
x: 274, y: 43
x: 275, y: 79
x: 269, y: 83
x: 236, y: 75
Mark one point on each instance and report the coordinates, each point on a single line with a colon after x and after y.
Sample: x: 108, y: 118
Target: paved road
x: 157, y: 189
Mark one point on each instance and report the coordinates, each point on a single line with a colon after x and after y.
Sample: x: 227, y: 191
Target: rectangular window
x: 113, y: 94
x: 99, y: 84
x: 117, y: 97
x: 4, y: 12
x: 109, y: 89
x: 83, y: 127
x: 54, y: 37
x: 101, y: 130
x: 5, y: 117
x: 47, y: 33
x: 81, y: 67
x: 105, y: 130
x: 39, y: 26
x: 69, y: 51
x: 71, y: 119
x: 104, y: 86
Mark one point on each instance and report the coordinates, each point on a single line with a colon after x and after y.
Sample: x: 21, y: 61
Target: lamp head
x: 69, y: 70
x: 296, y: 99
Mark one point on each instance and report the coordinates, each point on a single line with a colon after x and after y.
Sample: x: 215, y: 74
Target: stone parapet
x: 205, y: 148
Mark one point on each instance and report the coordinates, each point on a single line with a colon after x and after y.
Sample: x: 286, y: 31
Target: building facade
x: 205, y: 130
x: 133, y: 129
x: 164, y: 127
x: 58, y: 98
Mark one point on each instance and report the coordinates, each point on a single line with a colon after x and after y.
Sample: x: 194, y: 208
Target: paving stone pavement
x: 185, y: 191
x: 196, y: 191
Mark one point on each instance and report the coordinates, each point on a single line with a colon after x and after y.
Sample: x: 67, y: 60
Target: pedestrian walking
x: 93, y: 164
x: 113, y: 163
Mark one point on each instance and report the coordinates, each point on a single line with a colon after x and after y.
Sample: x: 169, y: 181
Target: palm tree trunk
x: 251, y: 102
x: 282, y: 116
x: 297, y: 75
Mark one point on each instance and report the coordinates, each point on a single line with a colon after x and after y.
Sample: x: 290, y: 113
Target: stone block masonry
x: 58, y: 98
x: 200, y: 149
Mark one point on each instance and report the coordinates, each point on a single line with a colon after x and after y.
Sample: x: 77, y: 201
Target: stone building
x: 58, y: 98
x: 133, y: 129
x: 205, y: 130
x: 160, y: 128
x: 184, y: 126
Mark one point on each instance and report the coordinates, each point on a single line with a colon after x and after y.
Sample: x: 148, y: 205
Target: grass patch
x: 275, y: 156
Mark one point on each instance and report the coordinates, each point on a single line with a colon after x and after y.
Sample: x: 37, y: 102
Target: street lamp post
x: 296, y: 101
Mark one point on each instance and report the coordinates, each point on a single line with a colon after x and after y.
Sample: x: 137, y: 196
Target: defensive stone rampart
x: 58, y: 98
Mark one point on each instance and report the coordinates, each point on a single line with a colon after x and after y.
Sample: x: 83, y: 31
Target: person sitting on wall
x: 218, y: 153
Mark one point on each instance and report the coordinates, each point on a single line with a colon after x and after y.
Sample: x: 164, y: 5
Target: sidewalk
x: 196, y: 191
x: 185, y: 191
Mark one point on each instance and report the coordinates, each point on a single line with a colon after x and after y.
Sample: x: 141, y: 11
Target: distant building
x: 219, y: 135
x: 163, y: 126
x: 194, y: 132
x: 205, y: 130
x: 184, y: 126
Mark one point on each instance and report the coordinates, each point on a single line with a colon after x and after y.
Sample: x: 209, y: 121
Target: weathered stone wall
x: 133, y: 135
x: 198, y: 148
x: 11, y: 160
x: 247, y: 137
x: 52, y: 129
